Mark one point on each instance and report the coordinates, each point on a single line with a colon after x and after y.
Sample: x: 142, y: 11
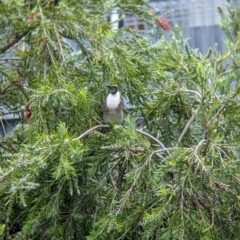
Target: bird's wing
x: 104, y: 107
x: 121, y: 105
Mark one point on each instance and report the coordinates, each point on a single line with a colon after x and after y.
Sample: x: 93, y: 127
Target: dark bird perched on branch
x: 112, y: 107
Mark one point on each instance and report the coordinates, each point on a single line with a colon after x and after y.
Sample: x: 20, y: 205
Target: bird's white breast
x: 113, y: 100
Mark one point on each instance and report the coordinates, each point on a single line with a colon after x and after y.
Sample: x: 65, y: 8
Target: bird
x: 112, y: 107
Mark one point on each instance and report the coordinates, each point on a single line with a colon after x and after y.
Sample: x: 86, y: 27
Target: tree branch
x: 107, y: 126
x: 188, y: 124
x: 6, y: 90
x: 216, y: 115
x: 90, y: 131
x: 9, y: 59
x: 154, y: 139
x: 14, y: 40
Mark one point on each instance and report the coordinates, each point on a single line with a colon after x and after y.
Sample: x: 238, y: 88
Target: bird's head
x: 113, y: 88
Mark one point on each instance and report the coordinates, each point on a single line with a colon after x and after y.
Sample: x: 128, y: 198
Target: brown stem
x: 14, y: 40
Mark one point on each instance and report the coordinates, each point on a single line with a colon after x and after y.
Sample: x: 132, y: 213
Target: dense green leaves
x: 61, y: 178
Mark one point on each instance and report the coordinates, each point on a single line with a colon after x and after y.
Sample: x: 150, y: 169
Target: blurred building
x: 199, y: 20
x: 8, y: 121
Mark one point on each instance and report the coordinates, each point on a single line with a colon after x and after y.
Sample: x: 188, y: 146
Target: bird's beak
x: 108, y: 86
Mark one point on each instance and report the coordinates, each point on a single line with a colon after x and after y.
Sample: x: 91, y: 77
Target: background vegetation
x: 180, y: 182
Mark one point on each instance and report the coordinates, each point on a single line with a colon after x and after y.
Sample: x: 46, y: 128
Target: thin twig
x: 9, y: 59
x: 190, y: 91
x: 159, y: 151
x: 2, y: 123
x: 154, y: 139
x: 216, y: 115
x: 189, y: 124
x: 60, y: 45
x: 14, y: 40
x: 90, y: 131
x: 213, y: 118
x: 107, y: 126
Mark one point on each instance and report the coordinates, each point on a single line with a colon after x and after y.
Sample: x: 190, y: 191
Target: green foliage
x: 176, y: 179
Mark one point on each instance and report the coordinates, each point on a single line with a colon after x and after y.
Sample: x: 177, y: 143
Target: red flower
x: 163, y: 23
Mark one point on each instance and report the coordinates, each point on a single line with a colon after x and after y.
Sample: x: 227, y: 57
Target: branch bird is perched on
x: 112, y: 107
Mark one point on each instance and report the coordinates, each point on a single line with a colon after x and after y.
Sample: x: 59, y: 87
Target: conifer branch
x: 14, y: 40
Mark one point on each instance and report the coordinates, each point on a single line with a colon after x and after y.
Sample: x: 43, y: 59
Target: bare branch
x: 14, y: 40
x: 9, y: 59
x: 189, y: 124
x: 6, y: 90
x: 213, y: 118
x: 190, y: 91
x: 107, y: 126
x: 154, y: 139
x: 90, y: 131
x: 216, y: 115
